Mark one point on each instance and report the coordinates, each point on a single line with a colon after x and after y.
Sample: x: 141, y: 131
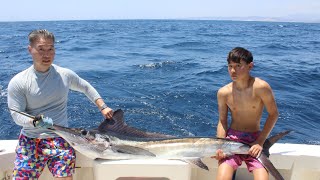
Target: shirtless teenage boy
x: 245, y: 97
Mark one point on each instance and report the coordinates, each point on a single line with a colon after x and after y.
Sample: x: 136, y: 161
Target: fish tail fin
x: 263, y: 158
x: 273, y: 139
x: 270, y: 167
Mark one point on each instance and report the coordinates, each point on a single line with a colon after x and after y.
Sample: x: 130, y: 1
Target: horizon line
x: 245, y: 19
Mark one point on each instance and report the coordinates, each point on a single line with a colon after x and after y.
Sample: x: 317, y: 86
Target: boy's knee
x: 225, y: 171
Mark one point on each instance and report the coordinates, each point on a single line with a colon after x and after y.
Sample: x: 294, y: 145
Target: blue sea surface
x: 165, y: 74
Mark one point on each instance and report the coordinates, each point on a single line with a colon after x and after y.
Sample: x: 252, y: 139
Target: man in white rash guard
x: 43, y: 89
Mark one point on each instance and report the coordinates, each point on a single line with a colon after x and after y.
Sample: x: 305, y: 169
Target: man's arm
x: 106, y: 111
x: 81, y: 85
x: 17, y: 101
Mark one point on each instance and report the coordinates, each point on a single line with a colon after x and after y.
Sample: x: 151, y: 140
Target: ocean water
x: 165, y: 74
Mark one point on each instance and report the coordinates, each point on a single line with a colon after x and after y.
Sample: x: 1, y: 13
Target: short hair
x: 40, y: 33
x: 239, y: 53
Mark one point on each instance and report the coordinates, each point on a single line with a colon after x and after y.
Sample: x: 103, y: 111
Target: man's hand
x: 255, y: 150
x: 107, y: 113
x: 42, y: 122
x: 219, y: 155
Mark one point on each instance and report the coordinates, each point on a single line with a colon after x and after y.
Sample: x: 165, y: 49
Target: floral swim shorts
x: 33, y: 154
x: 236, y: 160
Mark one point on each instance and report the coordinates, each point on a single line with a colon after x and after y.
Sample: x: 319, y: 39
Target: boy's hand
x: 219, y: 155
x: 42, y: 122
x: 255, y: 150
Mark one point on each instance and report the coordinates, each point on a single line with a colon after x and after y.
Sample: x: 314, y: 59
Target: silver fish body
x: 103, y: 145
x: 115, y: 140
x: 184, y: 148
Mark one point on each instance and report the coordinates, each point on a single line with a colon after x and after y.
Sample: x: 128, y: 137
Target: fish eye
x: 84, y: 132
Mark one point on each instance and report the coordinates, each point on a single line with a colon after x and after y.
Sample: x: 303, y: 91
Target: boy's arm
x: 222, y: 126
x: 269, y: 102
x: 267, y: 97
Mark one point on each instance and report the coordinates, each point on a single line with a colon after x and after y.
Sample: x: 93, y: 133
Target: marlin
x: 115, y: 140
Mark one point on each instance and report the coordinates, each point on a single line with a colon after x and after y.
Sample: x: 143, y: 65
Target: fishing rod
x: 34, y: 118
x: 23, y: 113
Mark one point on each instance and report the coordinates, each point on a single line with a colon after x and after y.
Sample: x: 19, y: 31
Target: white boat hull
x: 294, y: 162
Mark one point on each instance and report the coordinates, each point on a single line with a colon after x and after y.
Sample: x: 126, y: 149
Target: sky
x: 39, y: 10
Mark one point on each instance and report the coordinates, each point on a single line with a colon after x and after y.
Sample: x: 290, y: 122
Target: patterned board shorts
x: 33, y: 154
x: 236, y: 160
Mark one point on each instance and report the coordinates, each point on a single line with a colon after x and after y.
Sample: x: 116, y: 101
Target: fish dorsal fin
x: 113, y: 124
x: 117, y: 125
x: 126, y: 149
x: 273, y: 139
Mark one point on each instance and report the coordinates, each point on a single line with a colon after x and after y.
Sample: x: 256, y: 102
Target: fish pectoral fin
x: 197, y: 162
x: 132, y: 150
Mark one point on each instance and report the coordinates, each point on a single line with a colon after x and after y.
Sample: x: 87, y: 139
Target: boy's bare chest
x: 246, y: 100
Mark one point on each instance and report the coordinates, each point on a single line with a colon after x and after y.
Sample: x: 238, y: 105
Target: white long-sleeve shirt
x: 46, y: 93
